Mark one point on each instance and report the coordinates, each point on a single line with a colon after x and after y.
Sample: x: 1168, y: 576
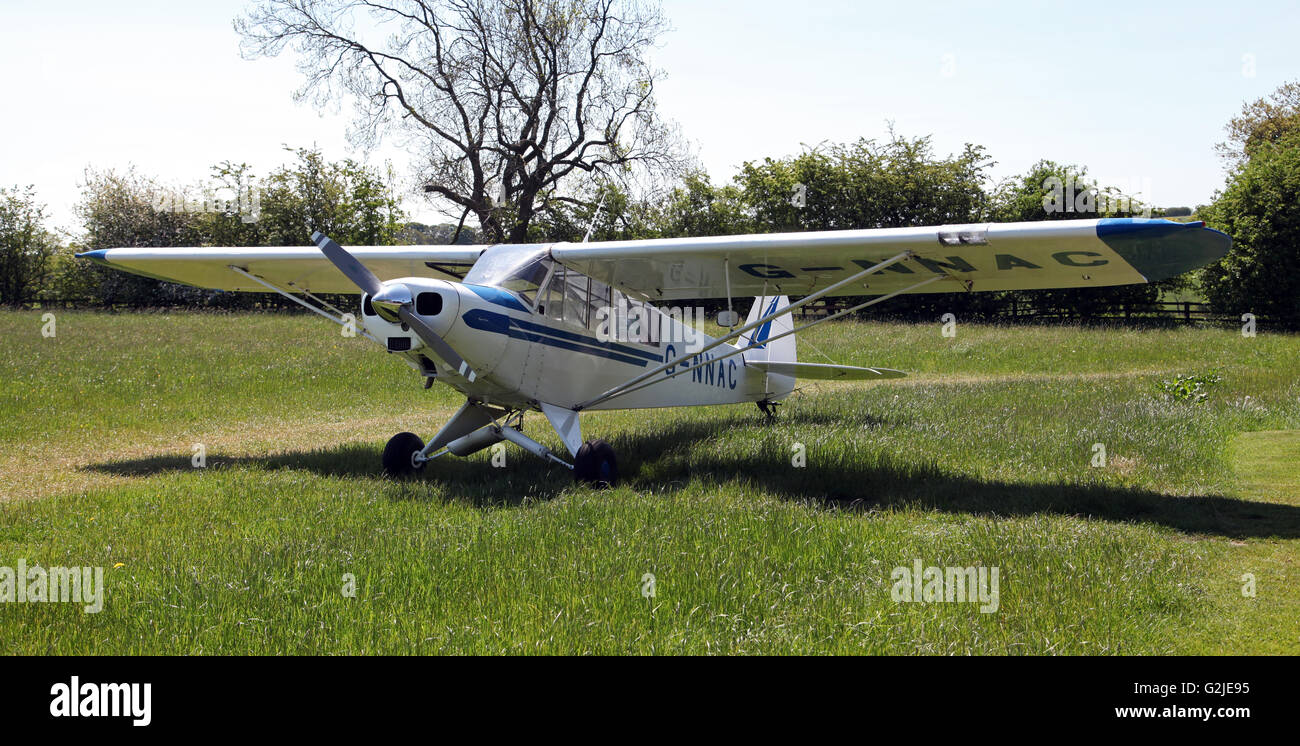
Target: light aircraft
x: 565, y: 328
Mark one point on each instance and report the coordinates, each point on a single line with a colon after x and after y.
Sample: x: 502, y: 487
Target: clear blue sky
x: 1138, y: 92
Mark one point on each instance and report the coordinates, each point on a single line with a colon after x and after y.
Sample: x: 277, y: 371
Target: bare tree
x: 504, y: 100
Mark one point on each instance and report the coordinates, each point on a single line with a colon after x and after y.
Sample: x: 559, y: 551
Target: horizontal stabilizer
x: 824, y: 372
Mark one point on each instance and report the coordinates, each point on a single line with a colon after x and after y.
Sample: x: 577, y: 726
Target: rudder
x: 780, y: 350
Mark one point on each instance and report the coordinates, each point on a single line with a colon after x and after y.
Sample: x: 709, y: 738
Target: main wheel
x: 595, y: 464
x: 399, y: 455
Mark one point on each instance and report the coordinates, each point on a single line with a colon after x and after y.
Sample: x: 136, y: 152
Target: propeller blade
x: 366, y: 280
x: 436, y: 343
x: 348, y: 264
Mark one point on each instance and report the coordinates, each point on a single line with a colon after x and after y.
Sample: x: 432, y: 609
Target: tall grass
x: 983, y: 457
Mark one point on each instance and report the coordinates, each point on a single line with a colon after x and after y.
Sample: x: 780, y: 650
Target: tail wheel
x: 595, y: 464
x: 400, y: 453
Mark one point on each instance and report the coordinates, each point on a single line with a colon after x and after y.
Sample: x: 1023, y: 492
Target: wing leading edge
x: 303, y: 268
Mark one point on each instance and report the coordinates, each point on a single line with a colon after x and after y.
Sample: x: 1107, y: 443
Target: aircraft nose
x: 437, y: 302
x: 389, y: 300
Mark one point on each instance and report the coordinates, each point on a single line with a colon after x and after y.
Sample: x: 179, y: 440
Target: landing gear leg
x: 406, y: 454
x: 768, y: 408
x: 477, y: 426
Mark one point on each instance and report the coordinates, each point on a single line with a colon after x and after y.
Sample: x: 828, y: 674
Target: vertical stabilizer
x: 781, y: 350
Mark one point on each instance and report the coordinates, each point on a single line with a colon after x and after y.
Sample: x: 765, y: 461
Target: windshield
x: 521, y: 269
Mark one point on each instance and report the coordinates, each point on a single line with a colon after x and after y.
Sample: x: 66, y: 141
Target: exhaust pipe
x: 490, y: 435
x: 484, y: 437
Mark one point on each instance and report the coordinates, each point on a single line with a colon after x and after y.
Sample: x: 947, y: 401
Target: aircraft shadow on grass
x: 658, y: 461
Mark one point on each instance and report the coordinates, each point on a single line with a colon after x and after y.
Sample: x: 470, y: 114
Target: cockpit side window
x: 598, y: 297
x: 528, y: 279
x: 635, y: 321
x: 565, y: 298
x: 576, y: 289
x: 574, y: 298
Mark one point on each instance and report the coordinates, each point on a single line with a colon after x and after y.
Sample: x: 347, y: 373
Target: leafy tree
x: 234, y: 220
x: 1044, y: 193
x: 606, y: 210
x: 120, y: 210
x: 1265, y: 121
x: 695, y: 207
x: 26, y: 247
x: 866, y: 184
x: 419, y: 234
x: 870, y: 184
x: 349, y: 202
x: 1260, y: 209
x: 698, y: 208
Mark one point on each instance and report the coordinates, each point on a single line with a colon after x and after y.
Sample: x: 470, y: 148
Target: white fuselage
x: 522, y: 357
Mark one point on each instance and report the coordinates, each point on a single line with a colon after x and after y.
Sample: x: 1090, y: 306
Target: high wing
x: 295, y: 268
x: 982, y: 257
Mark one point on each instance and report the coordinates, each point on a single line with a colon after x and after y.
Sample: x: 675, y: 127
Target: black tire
x: 398, y: 453
x: 595, y: 464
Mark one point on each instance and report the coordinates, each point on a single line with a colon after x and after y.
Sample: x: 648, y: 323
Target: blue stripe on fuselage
x: 499, y: 323
x: 583, y: 339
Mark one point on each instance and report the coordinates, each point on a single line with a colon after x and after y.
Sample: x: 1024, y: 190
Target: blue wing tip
x: 98, y: 255
x: 1109, y: 226
x: 1160, y: 248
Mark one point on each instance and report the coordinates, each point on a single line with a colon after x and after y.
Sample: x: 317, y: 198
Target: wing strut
x: 281, y: 291
x: 796, y: 330
x: 624, y: 387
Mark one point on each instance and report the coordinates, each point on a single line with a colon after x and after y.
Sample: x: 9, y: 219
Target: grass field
x: 983, y: 457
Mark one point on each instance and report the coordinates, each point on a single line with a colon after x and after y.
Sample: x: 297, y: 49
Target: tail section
x: 777, y: 351
x: 776, y: 385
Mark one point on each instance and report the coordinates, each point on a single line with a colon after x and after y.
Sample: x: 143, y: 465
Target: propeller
x: 436, y: 343
x: 393, y: 298
x: 348, y: 265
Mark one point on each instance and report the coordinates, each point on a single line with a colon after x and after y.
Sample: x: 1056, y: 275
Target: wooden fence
x: 1179, y: 312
